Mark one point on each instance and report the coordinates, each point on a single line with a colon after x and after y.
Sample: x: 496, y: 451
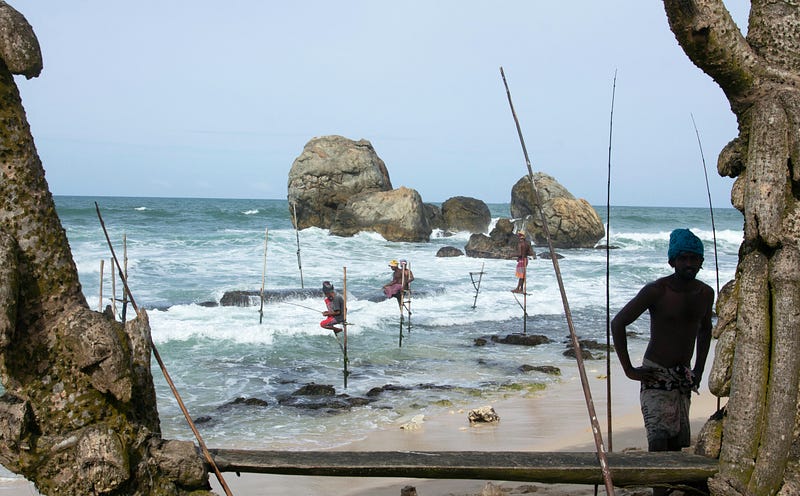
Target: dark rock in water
x: 248, y: 402
x: 434, y: 216
x: 586, y: 354
x: 208, y: 304
x: 388, y: 387
x: 321, y: 397
x: 313, y: 389
x: 545, y: 255
x: 449, y: 251
x: 500, y: 243
x: 522, y: 339
x: 545, y: 369
x: 481, y: 341
x: 247, y: 298
x: 604, y: 246
x: 397, y: 215
x: 204, y: 419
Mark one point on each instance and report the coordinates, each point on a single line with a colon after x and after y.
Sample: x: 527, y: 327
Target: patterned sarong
x: 665, y: 404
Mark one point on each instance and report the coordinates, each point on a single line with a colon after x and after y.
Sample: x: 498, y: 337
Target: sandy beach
x: 554, y: 420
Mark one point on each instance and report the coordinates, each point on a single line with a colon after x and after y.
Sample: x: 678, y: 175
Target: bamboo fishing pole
x: 263, y: 276
x: 113, y: 291
x: 711, y: 209
x: 598, y: 436
x: 400, y: 301
x: 297, y: 235
x: 608, y: 269
x: 175, y: 393
x: 124, y: 275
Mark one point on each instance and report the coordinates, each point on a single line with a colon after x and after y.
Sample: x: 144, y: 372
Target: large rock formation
x: 572, y: 222
x: 397, y: 215
x: 462, y: 213
x: 79, y: 411
x: 500, y: 243
x: 329, y: 171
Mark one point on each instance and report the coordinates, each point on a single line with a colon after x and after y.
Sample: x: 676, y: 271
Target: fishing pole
x: 301, y: 306
x: 175, y: 393
x: 297, y: 235
x: 263, y: 276
x: 710, y: 206
x: 608, y: 269
x: 598, y: 436
x: 711, y: 209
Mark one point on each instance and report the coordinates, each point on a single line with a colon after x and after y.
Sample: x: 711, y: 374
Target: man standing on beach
x: 680, y: 309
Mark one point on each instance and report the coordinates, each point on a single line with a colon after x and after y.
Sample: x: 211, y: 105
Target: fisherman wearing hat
x: 680, y: 309
x: 524, y: 251
x: 335, y: 308
x: 401, y: 277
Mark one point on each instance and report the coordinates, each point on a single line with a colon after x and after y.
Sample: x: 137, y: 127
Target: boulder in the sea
x: 545, y: 369
x: 19, y: 47
x: 449, y: 251
x: 328, y: 172
x: 483, y: 414
x: 571, y: 222
x: 397, y: 215
x: 462, y: 213
x: 434, y: 215
x: 522, y: 339
x: 500, y: 243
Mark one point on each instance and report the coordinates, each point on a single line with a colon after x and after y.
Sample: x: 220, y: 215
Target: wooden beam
x: 627, y: 469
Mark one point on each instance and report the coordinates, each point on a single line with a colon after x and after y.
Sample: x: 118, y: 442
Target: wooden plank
x: 627, y: 469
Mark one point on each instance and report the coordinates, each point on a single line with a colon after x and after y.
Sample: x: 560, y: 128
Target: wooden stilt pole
x: 263, y: 277
x: 113, y: 290
x: 175, y: 393
x: 598, y: 435
x: 100, y: 300
x: 124, y: 276
x: 345, y: 372
x: 297, y: 235
x: 476, y: 286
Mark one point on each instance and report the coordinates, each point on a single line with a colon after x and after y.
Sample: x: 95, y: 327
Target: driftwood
x: 627, y: 469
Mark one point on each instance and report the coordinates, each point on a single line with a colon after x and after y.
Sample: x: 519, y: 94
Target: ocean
x: 234, y: 372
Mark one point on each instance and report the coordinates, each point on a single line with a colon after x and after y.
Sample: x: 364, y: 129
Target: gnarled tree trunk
x: 78, y: 415
x: 760, y: 75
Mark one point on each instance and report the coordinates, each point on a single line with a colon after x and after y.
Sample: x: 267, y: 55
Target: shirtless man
x: 680, y: 321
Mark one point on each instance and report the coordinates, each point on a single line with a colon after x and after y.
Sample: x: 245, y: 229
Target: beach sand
x: 555, y: 419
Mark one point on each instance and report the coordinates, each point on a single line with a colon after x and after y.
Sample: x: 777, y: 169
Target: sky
x: 210, y: 99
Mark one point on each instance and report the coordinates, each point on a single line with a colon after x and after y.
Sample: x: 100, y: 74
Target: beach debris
x: 492, y: 490
x: 414, y: 424
x: 484, y: 414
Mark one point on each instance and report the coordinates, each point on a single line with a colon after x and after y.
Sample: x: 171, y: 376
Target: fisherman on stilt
x: 524, y: 251
x: 335, y: 308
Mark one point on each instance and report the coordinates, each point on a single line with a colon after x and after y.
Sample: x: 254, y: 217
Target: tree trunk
x: 760, y: 75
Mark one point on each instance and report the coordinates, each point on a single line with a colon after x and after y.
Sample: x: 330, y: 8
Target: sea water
x: 184, y: 253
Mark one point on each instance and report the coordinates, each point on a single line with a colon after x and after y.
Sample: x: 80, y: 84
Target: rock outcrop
x: 397, y: 215
x: 78, y: 415
x: 329, y: 171
x: 572, y: 222
x: 500, y: 243
x: 462, y: 213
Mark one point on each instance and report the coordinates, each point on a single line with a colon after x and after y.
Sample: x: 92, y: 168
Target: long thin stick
x: 301, y: 306
x: 100, y: 301
x: 297, y: 235
x: 124, y: 275
x: 175, y: 393
x: 608, y: 270
x: 263, y: 277
x: 598, y: 436
x: 711, y: 209
x: 113, y: 291
x: 345, y: 372
x: 476, y: 286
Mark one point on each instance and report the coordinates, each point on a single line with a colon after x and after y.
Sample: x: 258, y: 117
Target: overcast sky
x: 217, y: 99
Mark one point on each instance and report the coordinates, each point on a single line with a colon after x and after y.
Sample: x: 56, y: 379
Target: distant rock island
x: 343, y: 185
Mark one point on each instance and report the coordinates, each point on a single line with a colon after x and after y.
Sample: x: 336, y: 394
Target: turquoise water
x: 183, y: 252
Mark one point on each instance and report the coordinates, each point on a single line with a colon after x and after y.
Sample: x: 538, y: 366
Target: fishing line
x: 598, y: 436
x: 608, y: 268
